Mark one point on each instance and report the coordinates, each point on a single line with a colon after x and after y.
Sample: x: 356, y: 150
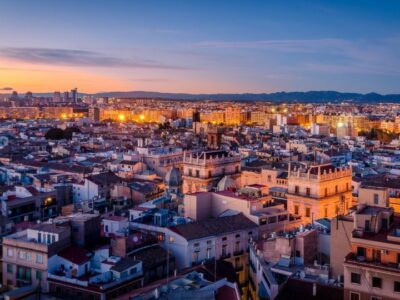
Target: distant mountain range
x: 311, y: 96
x: 304, y: 97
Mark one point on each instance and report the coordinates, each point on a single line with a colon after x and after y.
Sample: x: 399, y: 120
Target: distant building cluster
x: 108, y: 198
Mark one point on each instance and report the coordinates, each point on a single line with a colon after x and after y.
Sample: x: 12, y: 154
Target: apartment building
x: 26, y: 254
x: 203, y: 170
x: 318, y: 190
x: 371, y: 269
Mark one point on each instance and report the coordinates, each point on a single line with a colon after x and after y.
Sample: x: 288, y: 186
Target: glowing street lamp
x: 121, y: 117
x: 141, y: 117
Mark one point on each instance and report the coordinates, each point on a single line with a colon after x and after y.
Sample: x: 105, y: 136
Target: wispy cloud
x: 67, y: 57
x: 151, y: 79
x: 380, y: 56
x: 305, y: 46
x: 6, y: 89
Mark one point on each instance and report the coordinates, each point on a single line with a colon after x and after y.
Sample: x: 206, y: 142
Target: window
x: 296, y: 189
x: 106, y: 228
x: 171, y: 239
x: 296, y: 209
x: 10, y: 252
x: 269, y: 178
x: 196, y: 244
x: 209, y: 173
x: 21, y: 255
x: 354, y: 296
x: 9, y: 268
x: 39, y: 237
x: 208, y: 253
x: 132, y: 271
x: 197, y: 173
x: 196, y: 256
x: 326, y: 192
x: 336, y: 189
x: 39, y: 258
x: 355, y: 278
x: 396, y: 286
x: 376, y: 282
x: 376, y: 199
x: 308, y: 212
x: 237, y: 246
x: 360, y: 251
x: 308, y: 191
x: 325, y: 212
x: 38, y: 275
x: 190, y: 172
x: 224, y: 251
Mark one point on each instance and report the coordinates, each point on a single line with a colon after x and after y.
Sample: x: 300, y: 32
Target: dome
x: 226, y: 183
x: 173, y: 177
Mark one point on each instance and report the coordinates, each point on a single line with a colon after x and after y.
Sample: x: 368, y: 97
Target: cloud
x: 373, y: 56
x: 6, y: 89
x: 305, y: 46
x: 67, y: 57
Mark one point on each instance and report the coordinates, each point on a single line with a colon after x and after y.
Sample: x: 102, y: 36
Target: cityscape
x: 214, y: 151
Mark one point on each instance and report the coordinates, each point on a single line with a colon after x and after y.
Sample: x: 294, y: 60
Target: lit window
x: 10, y: 252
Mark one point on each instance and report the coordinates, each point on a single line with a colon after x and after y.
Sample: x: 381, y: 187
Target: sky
x: 200, y: 46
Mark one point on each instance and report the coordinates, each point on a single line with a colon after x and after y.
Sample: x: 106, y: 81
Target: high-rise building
x: 57, y: 97
x: 74, y: 95
x: 66, y: 97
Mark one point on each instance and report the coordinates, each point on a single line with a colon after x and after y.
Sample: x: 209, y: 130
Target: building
x: 26, y: 254
x: 318, y: 190
x: 371, y: 269
x: 203, y: 170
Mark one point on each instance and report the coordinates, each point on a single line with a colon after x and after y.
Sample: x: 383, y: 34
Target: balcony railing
x: 237, y: 253
x: 239, y: 268
x: 353, y: 259
x: 225, y: 255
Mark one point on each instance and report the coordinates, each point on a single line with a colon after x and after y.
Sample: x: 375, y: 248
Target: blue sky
x: 200, y: 46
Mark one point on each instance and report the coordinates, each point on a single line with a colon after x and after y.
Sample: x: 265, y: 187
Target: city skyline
x: 200, y: 47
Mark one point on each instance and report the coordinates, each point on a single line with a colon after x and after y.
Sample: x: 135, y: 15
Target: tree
x: 69, y: 132
x: 54, y: 134
x: 59, y: 134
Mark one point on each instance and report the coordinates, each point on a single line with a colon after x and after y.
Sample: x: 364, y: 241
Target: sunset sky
x: 200, y: 46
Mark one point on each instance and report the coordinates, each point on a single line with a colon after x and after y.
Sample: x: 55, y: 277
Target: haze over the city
x: 200, y: 47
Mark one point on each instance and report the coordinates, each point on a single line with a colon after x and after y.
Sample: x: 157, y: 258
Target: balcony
x: 239, y: 268
x: 225, y: 255
x: 237, y: 253
x: 359, y: 261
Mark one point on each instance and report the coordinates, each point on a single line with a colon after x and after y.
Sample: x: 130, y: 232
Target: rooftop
x: 213, y: 227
